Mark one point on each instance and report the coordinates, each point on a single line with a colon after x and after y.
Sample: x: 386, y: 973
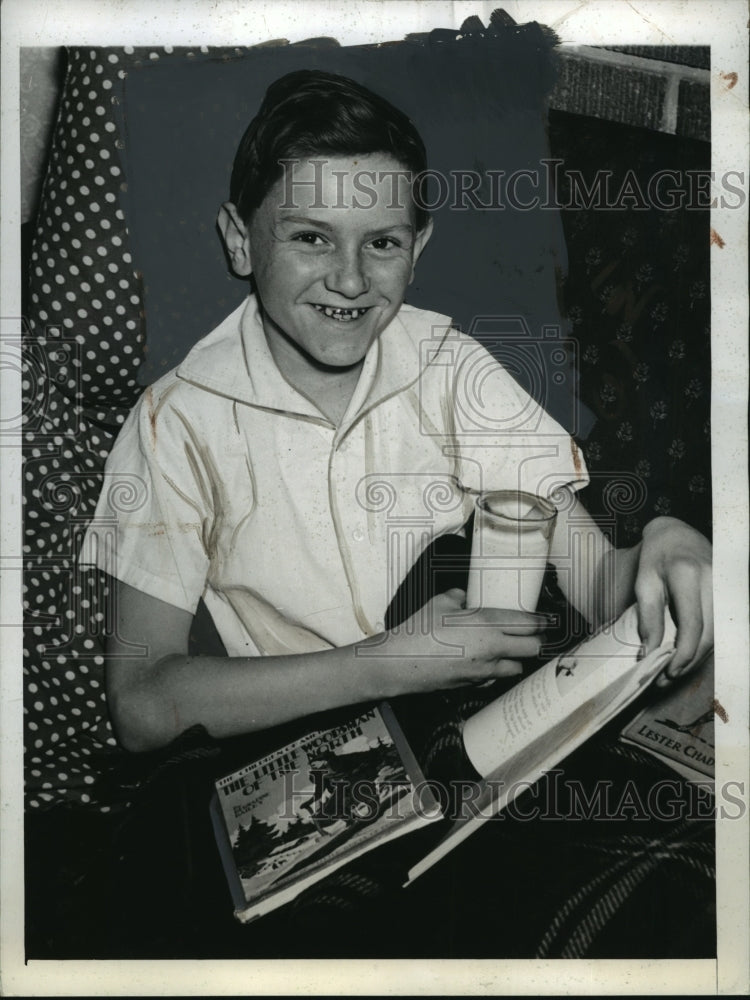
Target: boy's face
x: 332, y: 249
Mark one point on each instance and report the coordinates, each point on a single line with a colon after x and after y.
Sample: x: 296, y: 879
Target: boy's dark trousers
x: 147, y: 883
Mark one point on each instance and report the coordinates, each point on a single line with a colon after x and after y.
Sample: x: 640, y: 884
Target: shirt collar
x: 234, y: 360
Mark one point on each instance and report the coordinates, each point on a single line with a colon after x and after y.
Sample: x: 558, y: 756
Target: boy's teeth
x: 344, y: 315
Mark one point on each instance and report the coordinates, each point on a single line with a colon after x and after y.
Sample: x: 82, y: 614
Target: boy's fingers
x: 688, y: 643
x: 510, y: 621
x: 692, y: 600
x: 651, y: 600
x: 514, y: 622
x: 523, y: 647
x: 669, y: 676
x: 694, y: 610
x: 454, y: 596
x: 507, y: 668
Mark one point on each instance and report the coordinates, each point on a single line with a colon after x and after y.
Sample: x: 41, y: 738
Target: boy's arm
x: 159, y: 693
x: 671, y: 563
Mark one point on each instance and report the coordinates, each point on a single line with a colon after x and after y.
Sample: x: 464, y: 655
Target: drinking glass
x: 509, y: 550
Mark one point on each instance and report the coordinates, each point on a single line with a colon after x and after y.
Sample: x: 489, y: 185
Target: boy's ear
x: 420, y: 243
x: 236, y: 242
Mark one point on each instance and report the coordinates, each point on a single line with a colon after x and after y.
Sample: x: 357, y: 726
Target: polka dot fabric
x: 83, y: 344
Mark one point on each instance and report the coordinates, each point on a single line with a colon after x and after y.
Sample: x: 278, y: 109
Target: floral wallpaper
x: 637, y: 298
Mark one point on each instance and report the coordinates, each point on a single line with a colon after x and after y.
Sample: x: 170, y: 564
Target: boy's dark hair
x: 309, y: 113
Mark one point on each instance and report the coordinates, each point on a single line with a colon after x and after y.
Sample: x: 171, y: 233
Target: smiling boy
x: 300, y: 443
x: 333, y: 269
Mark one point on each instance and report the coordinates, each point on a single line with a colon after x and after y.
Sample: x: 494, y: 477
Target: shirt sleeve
x: 503, y: 438
x: 153, y: 522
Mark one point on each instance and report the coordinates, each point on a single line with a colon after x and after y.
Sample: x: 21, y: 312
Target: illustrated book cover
x: 678, y: 726
x: 294, y: 816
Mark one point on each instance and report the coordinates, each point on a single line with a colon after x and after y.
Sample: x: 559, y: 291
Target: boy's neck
x: 331, y: 393
x: 327, y: 388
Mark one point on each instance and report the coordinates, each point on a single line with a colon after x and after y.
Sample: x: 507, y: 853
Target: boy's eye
x: 313, y: 239
x: 384, y: 243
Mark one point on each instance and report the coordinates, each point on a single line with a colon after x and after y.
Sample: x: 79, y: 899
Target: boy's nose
x: 347, y: 275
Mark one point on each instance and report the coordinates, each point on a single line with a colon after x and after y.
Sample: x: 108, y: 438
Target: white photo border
x: 722, y: 24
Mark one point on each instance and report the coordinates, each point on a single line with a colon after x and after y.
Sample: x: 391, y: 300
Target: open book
x: 515, y: 739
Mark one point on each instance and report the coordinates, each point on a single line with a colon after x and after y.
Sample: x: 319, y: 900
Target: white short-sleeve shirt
x: 226, y: 483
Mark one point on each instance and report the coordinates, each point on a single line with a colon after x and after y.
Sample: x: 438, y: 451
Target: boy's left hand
x: 675, y: 566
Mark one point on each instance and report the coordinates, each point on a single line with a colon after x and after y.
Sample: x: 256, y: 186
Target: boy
x: 296, y: 447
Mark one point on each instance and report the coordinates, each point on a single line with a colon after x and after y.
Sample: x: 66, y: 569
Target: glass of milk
x: 509, y: 550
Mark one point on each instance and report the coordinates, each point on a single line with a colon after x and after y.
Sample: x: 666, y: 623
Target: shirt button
x: 358, y: 535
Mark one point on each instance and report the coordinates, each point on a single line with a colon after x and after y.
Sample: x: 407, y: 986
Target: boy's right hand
x: 446, y: 645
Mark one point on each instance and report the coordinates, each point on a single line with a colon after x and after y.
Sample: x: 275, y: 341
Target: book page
x: 599, y: 676
x: 515, y: 739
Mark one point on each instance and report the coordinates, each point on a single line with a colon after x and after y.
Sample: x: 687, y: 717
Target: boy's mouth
x: 342, y: 315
